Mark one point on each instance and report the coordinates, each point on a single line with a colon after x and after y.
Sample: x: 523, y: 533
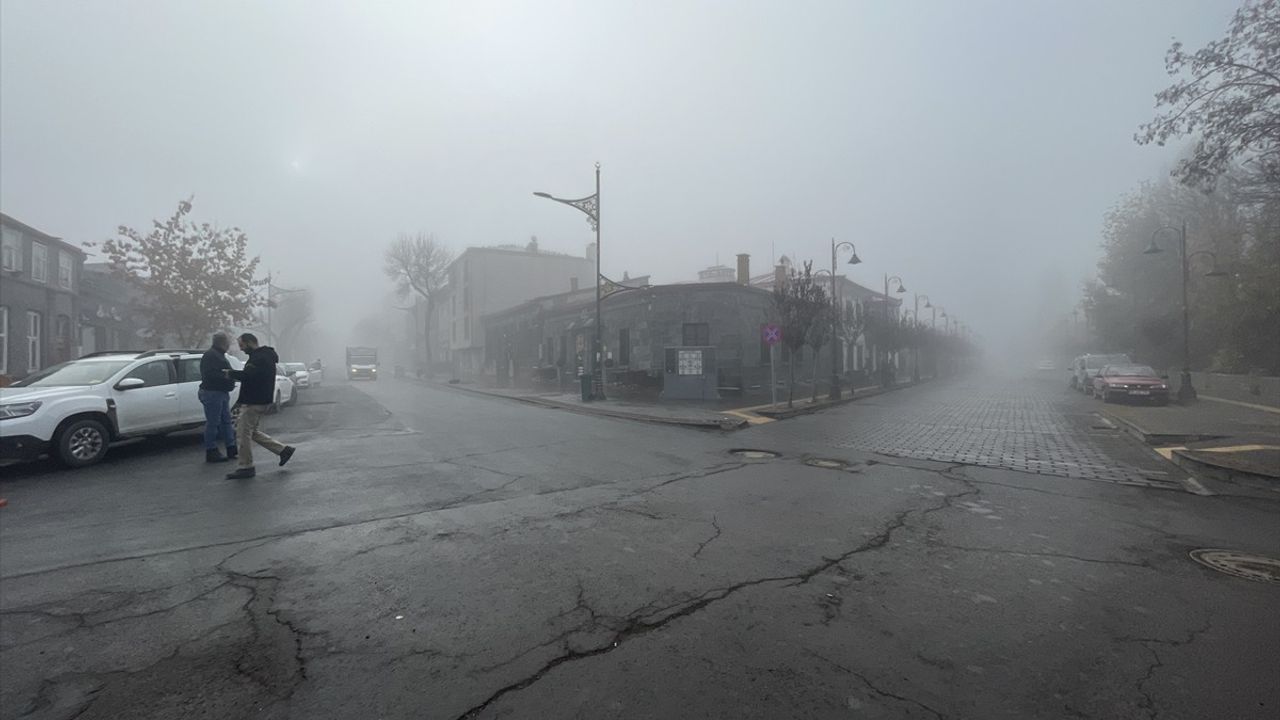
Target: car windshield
x: 1132, y: 371
x: 1094, y: 362
x: 295, y: 367
x: 76, y: 372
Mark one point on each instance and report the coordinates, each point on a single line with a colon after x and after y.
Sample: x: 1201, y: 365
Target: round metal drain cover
x: 751, y: 454
x: 827, y: 463
x: 1249, y: 567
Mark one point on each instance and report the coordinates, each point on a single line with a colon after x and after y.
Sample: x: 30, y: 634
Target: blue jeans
x: 217, y: 419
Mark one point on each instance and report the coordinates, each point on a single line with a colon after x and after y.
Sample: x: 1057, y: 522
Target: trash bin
x: 585, y: 380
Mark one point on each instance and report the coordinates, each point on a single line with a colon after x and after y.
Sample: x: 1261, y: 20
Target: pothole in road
x: 1249, y: 567
x: 827, y: 463
x: 754, y: 454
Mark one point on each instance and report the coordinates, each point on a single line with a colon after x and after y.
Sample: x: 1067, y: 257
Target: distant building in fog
x: 486, y: 280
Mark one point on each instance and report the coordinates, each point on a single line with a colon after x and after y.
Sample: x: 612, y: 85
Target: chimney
x: 591, y: 251
x: 779, y: 276
x: 744, y: 269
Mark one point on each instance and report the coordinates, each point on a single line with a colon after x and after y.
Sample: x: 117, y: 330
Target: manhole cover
x: 1249, y: 567
x: 827, y: 463
x: 751, y: 454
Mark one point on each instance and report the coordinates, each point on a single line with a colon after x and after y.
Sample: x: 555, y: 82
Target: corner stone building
x: 550, y: 338
x: 40, y: 279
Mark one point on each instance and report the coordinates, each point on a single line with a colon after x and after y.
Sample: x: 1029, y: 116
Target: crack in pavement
x: 646, y: 619
x: 715, y: 524
x: 1024, y: 553
x: 875, y: 688
x: 1148, y: 702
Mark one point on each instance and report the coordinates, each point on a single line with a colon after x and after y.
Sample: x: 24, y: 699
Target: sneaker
x: 233, y: 452
x: 286, y: 453
x: 241, y: 473
x: 213, y: 456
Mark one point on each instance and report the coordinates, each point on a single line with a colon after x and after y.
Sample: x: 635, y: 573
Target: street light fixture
x: 1186, y: 392
x: 915, y: 346
x: 590, y: 206
x: 834, y: 393
x: 886, y: 377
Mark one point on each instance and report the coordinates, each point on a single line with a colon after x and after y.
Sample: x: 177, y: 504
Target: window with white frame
x: 33, y: 341
x: 39, y: 262
x: 12, y: 249
x: 4, y: 340
x: 65, y: 269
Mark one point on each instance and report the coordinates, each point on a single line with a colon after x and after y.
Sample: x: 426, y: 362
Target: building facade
x: 40, y: 278
x: 107, y: 318
x: 549, y: 339
x: 487, y: 280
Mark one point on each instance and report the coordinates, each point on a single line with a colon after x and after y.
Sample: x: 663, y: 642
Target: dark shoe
x: 241, y: 474
x: 213, y: 456
x: 233, y: 452
x: 285, y: 454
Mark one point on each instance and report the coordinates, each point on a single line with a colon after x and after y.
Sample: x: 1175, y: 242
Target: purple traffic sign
x: 771, y: 334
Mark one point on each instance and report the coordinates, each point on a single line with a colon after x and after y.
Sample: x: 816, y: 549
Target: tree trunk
x: 815, y: 376
x: 427, y: 329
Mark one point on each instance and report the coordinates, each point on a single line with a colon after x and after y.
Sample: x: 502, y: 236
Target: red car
x: 1130, y: 381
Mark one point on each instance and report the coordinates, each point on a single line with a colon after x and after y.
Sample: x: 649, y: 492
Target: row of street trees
x: 1226, y: 189
x: 808, y: 317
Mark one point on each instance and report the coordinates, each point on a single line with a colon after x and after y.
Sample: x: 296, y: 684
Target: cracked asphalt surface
x: 987, y: 550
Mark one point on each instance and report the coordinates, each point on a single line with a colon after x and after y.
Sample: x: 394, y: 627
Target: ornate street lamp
x: 590, y: 206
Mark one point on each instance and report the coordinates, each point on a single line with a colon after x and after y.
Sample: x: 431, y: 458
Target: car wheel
x: 1106, y: 396
x: 83, y: 442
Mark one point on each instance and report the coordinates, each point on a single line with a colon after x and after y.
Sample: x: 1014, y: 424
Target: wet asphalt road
x: 985, y: 550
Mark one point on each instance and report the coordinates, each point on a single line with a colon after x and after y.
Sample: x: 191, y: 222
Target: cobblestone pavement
x: 1029, y: 425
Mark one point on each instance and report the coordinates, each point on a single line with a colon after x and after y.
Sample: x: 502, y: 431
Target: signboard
x: 689, y: 362
x: 771, y: 334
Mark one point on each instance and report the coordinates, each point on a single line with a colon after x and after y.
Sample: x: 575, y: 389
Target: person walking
x: 257, y: 392
x: 215, y: 396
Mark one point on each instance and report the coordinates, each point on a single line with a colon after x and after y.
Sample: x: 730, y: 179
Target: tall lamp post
x: 886, y: 376
x: 835, y: 316
x: 590, y: 206
x: 1186, y: 392
x: 915, y: 365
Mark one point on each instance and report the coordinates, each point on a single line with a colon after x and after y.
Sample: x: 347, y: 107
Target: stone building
x: 487, y: 280
x: 40, y: 279
x: 107, y: 318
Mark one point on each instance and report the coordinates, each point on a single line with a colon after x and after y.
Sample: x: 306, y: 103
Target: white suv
x: 76, y: 409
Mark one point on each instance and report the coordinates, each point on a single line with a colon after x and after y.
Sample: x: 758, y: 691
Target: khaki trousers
x: 247, y: 433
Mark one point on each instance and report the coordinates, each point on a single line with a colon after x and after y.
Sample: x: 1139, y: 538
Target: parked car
x: 1086, y: 367
x: 286, y: 391
x: 1130, y: 381
x: 302, y: 376
x: 76, y: 409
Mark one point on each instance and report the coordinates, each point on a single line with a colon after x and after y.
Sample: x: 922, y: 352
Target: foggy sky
x: 971, y: 148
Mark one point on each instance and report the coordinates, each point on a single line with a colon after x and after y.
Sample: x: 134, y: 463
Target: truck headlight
x: 17, y: 410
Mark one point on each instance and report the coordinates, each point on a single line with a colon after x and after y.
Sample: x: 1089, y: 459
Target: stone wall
x: 1256, y: 389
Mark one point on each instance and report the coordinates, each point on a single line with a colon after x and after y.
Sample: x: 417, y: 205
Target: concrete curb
x: 726, y: 423
x: 824, y: 405
x: 1204, y: 464
x: 1153, y: 438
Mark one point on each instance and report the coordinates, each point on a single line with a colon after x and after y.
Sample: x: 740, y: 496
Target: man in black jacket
x: 215, y: 396
x: 257, y: 393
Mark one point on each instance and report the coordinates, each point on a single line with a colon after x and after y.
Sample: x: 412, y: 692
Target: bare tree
x: 1229, y: 95
x: 418, y: 264
x: 194, y: 278
x: 799, y: 304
